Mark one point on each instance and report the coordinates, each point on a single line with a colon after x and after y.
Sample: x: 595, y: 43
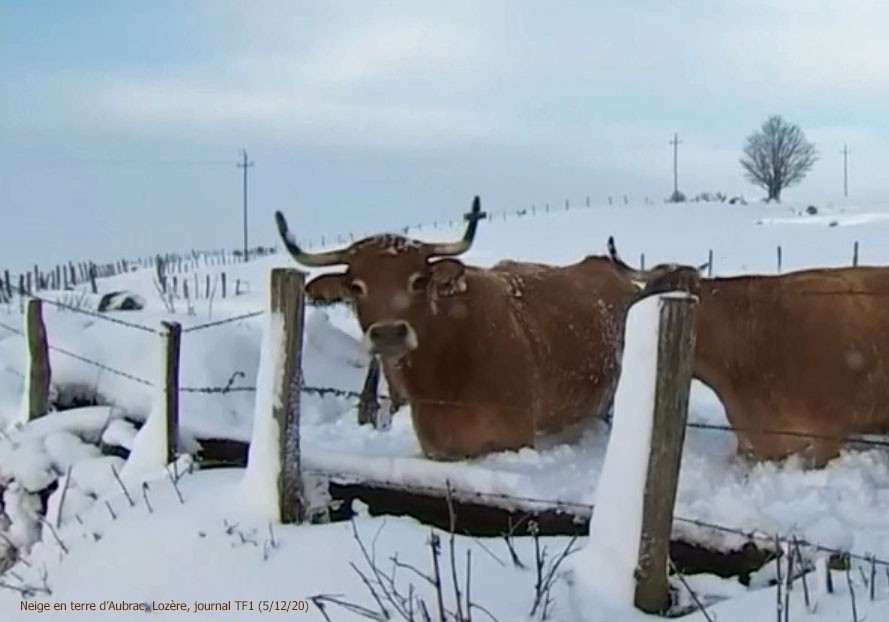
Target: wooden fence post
x: 855, y: 254
x: 779, y: 259
x: 368, y: 403
x: 710, y: 263
x: 171, y: 336
x: 38, y: 360
x: 675, y: 358
x: 369, y: 410
x: 288, y: 304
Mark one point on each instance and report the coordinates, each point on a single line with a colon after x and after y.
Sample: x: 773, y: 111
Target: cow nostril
x: 401, y: 330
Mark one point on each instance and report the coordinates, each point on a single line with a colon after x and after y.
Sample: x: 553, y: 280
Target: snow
x: 843, y: 505
x: 606, y: 566
x: 263, y: 459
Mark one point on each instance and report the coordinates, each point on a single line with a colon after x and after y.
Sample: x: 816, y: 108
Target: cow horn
x: 444, y: 249
x: 313, y: 260
x: 621, y: 265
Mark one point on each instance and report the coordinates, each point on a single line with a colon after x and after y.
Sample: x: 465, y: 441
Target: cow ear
x: 326, y: 289
x: 448, y: 276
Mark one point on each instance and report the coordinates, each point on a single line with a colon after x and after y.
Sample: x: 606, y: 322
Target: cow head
x: 392, y: 282
x: 665, y: 277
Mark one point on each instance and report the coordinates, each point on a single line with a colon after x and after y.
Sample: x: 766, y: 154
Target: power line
x: 244, y: 164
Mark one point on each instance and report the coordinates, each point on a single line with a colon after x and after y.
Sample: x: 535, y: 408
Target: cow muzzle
x: 391, y: 339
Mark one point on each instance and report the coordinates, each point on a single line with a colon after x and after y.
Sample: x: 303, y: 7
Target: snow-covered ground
x: 843, y: 505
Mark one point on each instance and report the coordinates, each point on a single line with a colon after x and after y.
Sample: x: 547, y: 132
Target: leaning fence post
x: 675, y: 357
x: 171, y: 337
x: 38, y: 361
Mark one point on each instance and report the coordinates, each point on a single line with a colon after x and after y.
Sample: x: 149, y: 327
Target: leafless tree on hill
x: 778, y: 156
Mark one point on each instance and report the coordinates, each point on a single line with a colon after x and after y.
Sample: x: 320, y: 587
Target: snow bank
x: 605, y: 566
x: 209, y: 549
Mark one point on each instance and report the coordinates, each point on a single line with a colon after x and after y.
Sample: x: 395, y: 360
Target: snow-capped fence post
x: 675, y: 356
x: 38, y: 360
x: 273, y: 479
x: 171, y: 336
x: 288, y: 300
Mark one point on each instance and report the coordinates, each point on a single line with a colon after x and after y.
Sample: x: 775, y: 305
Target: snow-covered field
x: 184, y: 551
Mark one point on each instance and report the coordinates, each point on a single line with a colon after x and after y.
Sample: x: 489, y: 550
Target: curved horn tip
x: 281, y: 222
x: 283, y: 229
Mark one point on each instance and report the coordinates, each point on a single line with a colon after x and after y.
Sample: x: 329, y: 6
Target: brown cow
x: 489, y: 359
x: 790, y: 355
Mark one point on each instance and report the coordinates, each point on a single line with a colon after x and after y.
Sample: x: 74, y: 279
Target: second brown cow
x: 799, y: 361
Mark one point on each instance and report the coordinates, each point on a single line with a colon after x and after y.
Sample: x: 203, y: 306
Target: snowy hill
x: 185, y: 552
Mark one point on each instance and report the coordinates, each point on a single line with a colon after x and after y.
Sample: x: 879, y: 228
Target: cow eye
x: 357, y: 288
x: 418, y: 282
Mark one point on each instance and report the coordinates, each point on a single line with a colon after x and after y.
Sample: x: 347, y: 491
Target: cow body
x: 489, y: 359
x: 799, y: 360
x: 522, y: 355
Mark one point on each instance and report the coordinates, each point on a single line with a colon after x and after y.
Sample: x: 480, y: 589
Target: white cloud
x: 826, y: 50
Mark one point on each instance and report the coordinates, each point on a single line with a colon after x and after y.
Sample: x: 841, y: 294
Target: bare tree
x: 778, y: 156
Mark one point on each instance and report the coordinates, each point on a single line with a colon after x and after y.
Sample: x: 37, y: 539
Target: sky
x: 122, y: 122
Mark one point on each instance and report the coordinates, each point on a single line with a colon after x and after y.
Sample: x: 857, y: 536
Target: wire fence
x: 487, y: 498
x: 876, y: 441
x: 65, y: 275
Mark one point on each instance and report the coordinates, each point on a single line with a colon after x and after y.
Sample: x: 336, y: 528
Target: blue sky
x: 121, y: 122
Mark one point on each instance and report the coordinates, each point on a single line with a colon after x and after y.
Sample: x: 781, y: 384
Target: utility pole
x: 675, y: 142
x: 845, y: 153
x: 244, y: 164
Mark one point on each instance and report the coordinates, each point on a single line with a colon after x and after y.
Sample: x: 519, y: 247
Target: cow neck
x: 716, y: 337
x: 430, y: 371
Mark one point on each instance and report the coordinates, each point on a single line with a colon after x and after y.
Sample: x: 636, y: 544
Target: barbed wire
x: 322, y: 391
x: 84, y: 359
x: 766, y: 431
x: 237, y: 318
x: 757, y: 534
x: 87, y: 312
x: 215, y: 390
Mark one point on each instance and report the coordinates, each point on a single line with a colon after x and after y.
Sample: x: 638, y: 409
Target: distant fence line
x: 67, y: 275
